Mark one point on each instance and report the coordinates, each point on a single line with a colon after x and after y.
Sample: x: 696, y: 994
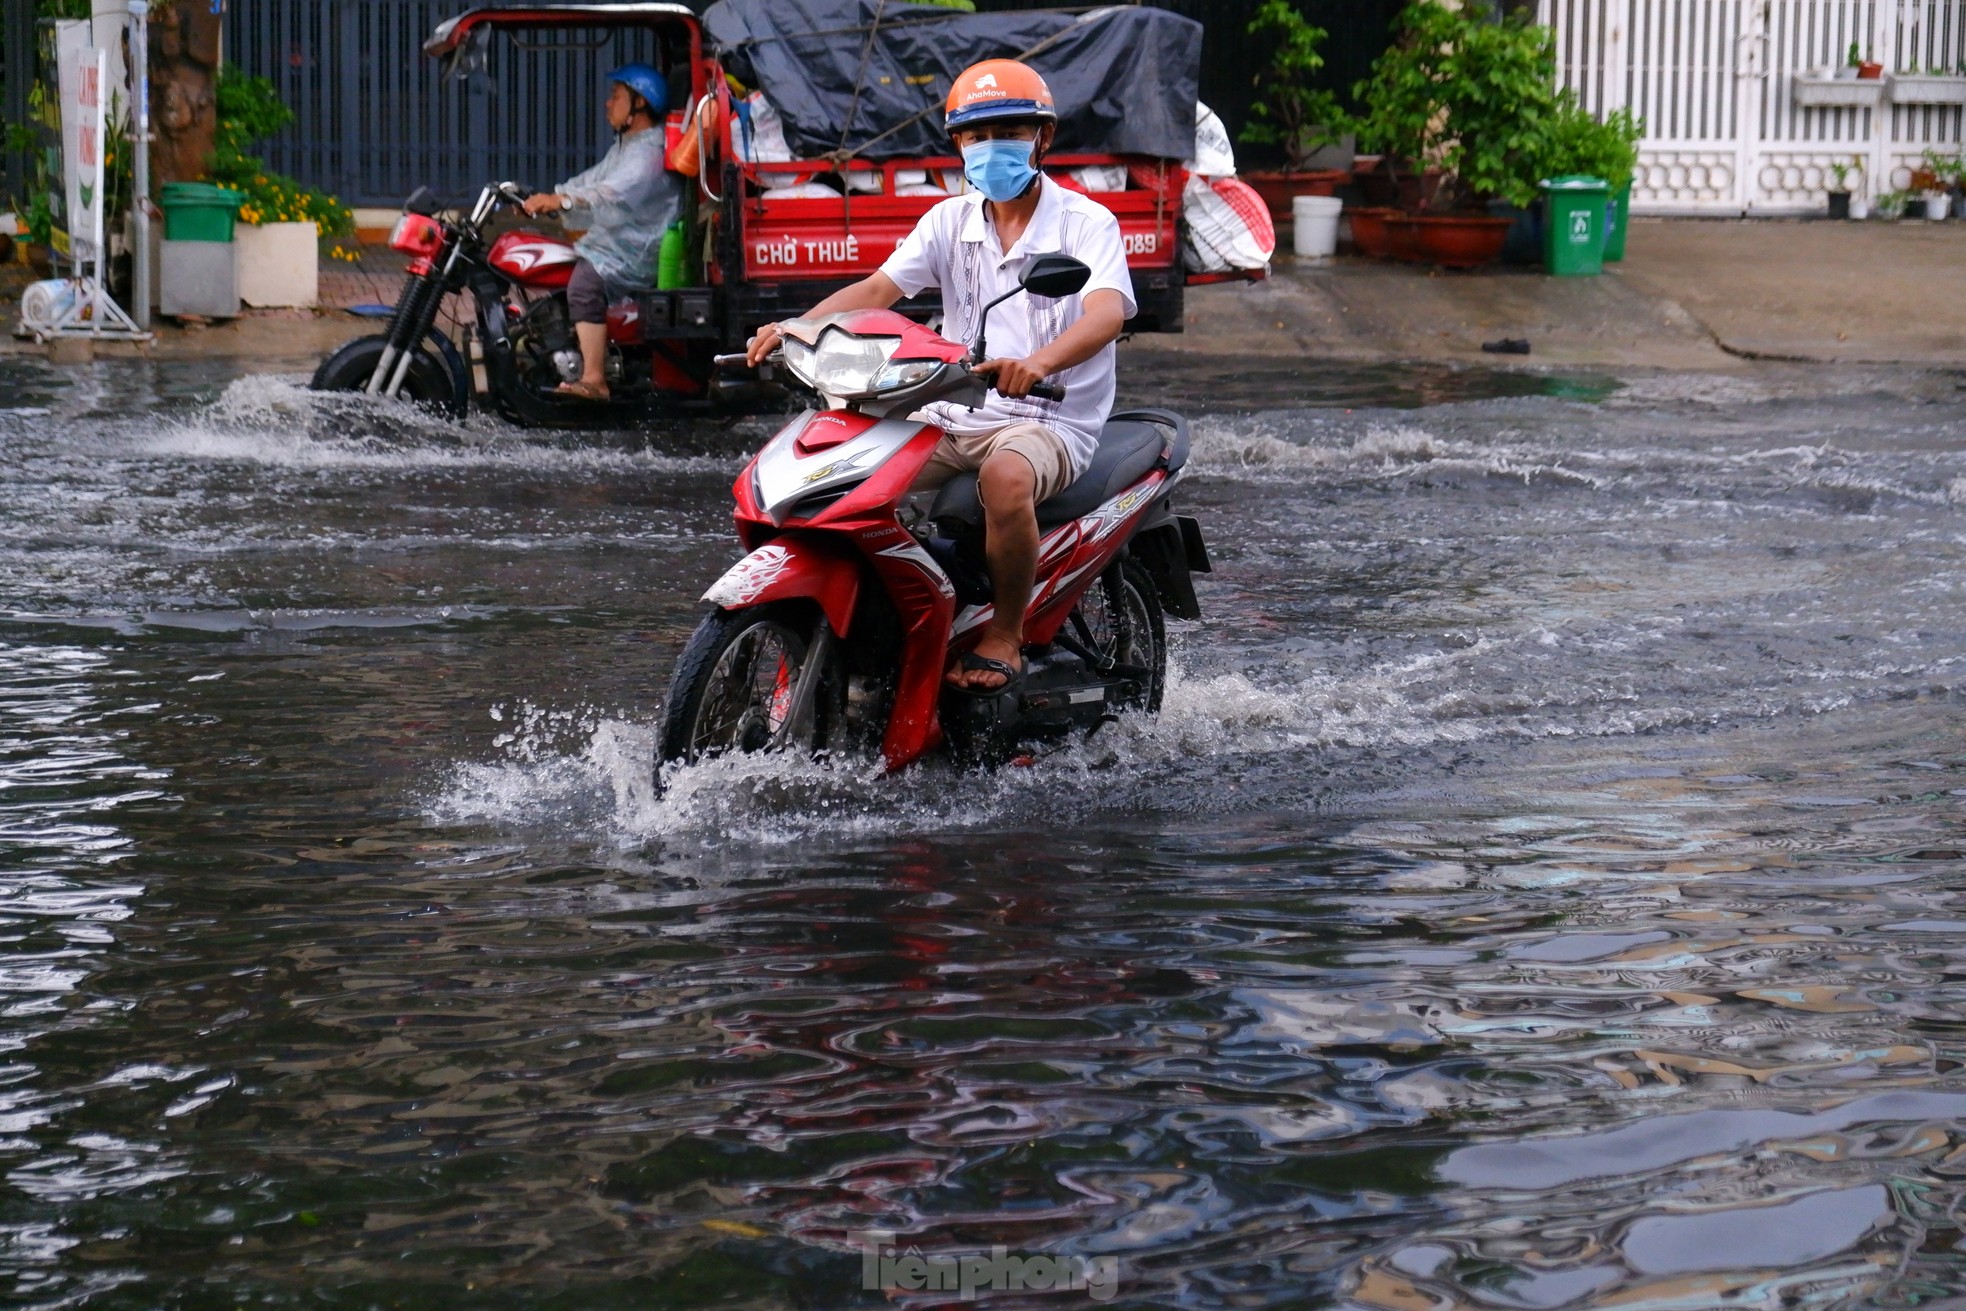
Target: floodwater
x: 1545, y: 887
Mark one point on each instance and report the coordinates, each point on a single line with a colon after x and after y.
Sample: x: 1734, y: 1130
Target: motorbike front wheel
x: 737, y: 683
x: 437, y: 378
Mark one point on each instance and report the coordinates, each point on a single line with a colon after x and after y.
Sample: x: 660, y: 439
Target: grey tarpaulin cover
x: 1125, y: 79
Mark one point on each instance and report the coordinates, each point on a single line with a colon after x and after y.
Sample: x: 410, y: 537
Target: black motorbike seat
x: 1129, y: 449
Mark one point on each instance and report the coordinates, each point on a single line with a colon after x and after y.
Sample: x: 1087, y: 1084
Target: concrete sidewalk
x: 1809, y: 290
x: 1691, y: 294
x: 1366, y: 311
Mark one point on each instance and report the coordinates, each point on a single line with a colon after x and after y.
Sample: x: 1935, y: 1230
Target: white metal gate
x: 1714, y: 83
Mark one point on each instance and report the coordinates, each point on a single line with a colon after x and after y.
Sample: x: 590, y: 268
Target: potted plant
x: 1938, y: 173
x: 1931, y: 168
x: 1938, y: 204
x: 1856, y: 84
x: 1369, y: 234
x: 1473, y: 97
x: 1839, y: 190
x: 1934, y: 86
x: 281, y: 221
x: 1290, y: 114
x: 1891, y: 205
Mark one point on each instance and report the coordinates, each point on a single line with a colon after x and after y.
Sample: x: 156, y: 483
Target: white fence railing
x: 1715, y: 82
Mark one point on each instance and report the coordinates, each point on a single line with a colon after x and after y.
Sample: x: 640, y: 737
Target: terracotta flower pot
x: 1417, y: 191
x: 1278, y: 189
x: 1403, y: 238
x: 1376, y: 189
x: 1369, y: 230
x: 1401, y: 187
x: 1870, y: 71
x: 1454, y: 241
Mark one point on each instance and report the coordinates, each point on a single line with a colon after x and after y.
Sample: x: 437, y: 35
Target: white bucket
x: 1937, y: 206
x: 1315, y: 219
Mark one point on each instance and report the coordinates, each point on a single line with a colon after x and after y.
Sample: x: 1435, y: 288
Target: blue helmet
x: 646, y: 82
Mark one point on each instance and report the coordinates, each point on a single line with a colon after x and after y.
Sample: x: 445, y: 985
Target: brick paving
x: 375, y: 280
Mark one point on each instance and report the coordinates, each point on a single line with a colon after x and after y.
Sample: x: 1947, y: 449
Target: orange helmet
x: 998, y: 89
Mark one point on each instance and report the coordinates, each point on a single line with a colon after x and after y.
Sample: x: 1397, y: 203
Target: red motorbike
x: 834, y: 632
x: 659, y: 342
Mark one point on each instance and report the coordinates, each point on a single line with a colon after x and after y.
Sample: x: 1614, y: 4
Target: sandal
x: 972, y: 663
x: 585, y: 391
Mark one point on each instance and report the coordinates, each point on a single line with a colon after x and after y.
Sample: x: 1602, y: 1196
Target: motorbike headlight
x: 845, y: 365
x: 798, y: 358
x: 904, y: 373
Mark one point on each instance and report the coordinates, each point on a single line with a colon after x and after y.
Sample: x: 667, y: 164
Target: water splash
x: 274, y: 419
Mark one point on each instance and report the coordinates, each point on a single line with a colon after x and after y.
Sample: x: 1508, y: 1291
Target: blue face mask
x: 1000, y: 170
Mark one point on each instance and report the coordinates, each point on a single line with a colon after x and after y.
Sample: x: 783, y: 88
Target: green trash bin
x: 1617, y: 214
x: 198, y: 211
x: 1574, y: 210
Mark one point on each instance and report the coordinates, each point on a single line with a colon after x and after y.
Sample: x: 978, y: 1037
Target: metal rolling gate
x: 16, y: 76
x: 375, y: 119
x: 1716, y: 83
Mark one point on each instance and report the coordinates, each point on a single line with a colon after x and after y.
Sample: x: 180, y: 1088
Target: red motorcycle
x: 834, y: 632
x: 659, y: 342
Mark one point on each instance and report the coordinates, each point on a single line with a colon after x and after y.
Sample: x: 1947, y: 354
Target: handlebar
x: 744, y: 358
x: 1044, y: 391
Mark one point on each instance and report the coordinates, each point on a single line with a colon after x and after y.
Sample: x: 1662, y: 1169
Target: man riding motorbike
x: 1001, y: 117
x: 629, y: 201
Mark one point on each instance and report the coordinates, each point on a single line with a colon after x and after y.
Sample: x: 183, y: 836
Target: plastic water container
x: 671, y: 263
x: 1315, y: 219
x: 43, y: 304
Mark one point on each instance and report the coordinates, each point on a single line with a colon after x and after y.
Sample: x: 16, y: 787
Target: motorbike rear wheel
x: 437, y: 378
x: 1122, y: 620
x: 735, y: 683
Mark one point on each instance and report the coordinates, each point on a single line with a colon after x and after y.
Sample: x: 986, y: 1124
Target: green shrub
x: 250, y: 110
x: 1470, y: 95
x: 1289, y: 112
x: 1577, y: 142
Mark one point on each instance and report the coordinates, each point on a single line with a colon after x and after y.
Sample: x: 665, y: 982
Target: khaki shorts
x: 964, y: 453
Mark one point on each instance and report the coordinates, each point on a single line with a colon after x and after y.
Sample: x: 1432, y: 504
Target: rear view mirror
x: 1054, y: 276
x: 469, y: 61
x: 1050, y: 276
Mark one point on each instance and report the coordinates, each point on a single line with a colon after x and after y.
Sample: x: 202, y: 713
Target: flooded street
x: 1545, y: 887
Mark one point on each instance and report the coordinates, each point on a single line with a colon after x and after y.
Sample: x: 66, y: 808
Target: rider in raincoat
x: 629, y: 200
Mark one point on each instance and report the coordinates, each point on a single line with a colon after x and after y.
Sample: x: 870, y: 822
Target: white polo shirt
x: 955, y: 247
